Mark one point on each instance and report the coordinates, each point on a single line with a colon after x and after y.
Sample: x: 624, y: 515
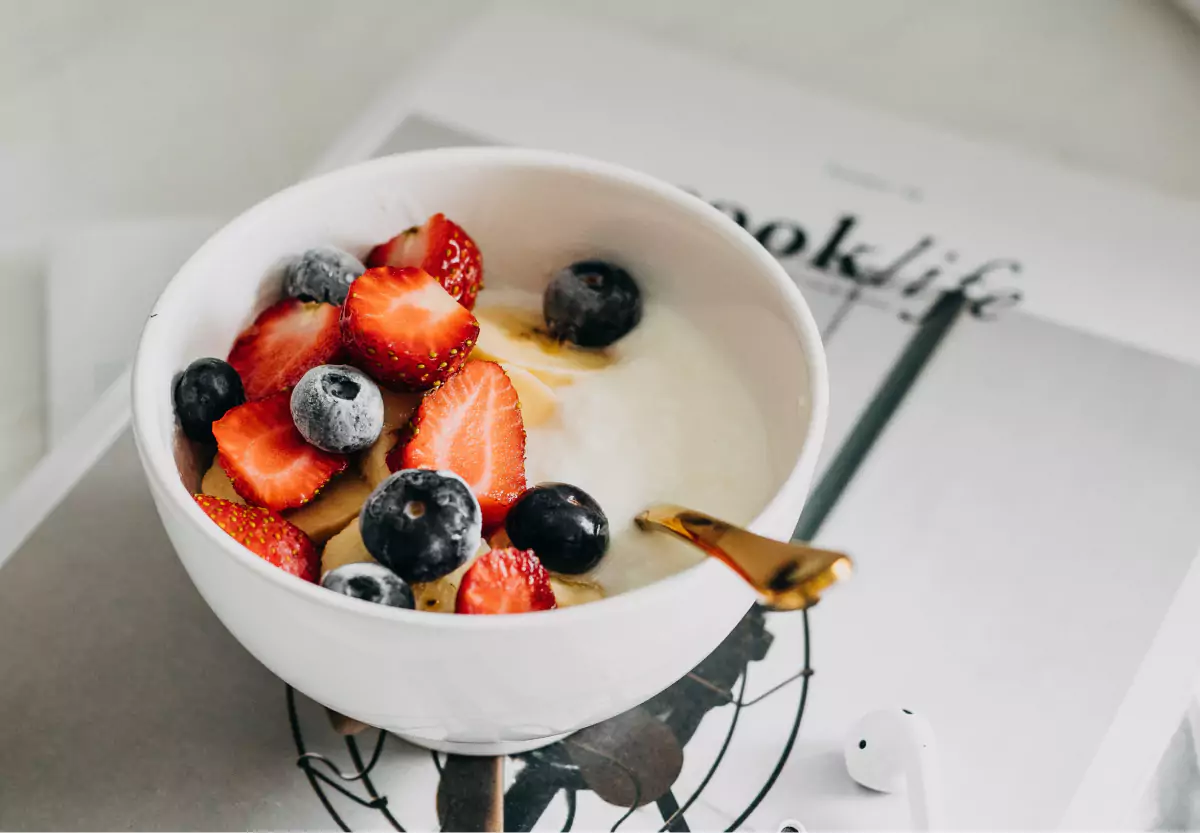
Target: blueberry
x: 338, y: 408
x: 592, y: 303
x: 323, y: 274
x: 203, y: 393
x: 371, y: 583
x: 562, y: 524
x: 421, y: 524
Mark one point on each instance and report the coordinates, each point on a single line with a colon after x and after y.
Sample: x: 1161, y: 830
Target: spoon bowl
x: 786, y: 575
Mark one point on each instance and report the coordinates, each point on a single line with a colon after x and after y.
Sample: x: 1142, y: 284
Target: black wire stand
x: 551, y: 770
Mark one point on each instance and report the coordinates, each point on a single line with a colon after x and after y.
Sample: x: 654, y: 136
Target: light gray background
x: 133, y: 106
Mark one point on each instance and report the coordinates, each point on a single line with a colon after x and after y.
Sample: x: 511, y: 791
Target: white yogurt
x: 670, y: 421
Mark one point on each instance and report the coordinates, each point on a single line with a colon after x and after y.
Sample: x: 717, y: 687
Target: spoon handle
x: 787, y: 576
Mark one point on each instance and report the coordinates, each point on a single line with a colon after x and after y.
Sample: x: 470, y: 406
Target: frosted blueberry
x: 338, y: 408
x: 322, y: 274
x: 371, y: 583
x: 422, y: 524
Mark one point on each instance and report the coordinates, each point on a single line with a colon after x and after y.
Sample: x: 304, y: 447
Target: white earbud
x: 891, y: 748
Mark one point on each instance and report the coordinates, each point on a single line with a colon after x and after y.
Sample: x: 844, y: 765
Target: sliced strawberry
x: 405, y: 329
x: 442, y: 249
x: 266, y: 535
x: 505, y: 581
x: 472, y: 426
x: 285, y: 342
x: 268, y: 461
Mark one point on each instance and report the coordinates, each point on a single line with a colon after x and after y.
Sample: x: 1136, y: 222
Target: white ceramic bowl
x: 484, y: 684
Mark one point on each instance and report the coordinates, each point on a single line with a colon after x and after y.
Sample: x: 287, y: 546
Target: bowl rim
x: 160, y: 466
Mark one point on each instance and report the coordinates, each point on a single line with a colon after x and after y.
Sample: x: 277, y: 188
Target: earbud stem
x: 924, y: 789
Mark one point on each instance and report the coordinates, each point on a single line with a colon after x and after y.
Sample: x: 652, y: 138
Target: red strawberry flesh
x: 285, y: 342
x: 404, y: 329
x: 505, y: 581
x: 267, y: 459
x: 442, y: 249
x: 472, y: 426
x: 266, y: 535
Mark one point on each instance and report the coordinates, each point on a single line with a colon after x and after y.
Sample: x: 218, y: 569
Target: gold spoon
x: 787, y: 576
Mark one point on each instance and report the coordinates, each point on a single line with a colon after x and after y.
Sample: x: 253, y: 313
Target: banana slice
x: 575, y: 591
x: 336, y: 506
x: 373, y: 463
x: 513, y: 336
x: 216, y: 483
x: 346, y: 547
x: 398, y: 409
x: 539, y: 405
x: 440, y: 596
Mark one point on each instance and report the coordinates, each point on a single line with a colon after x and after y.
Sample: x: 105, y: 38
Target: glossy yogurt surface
x: 669, y: 421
